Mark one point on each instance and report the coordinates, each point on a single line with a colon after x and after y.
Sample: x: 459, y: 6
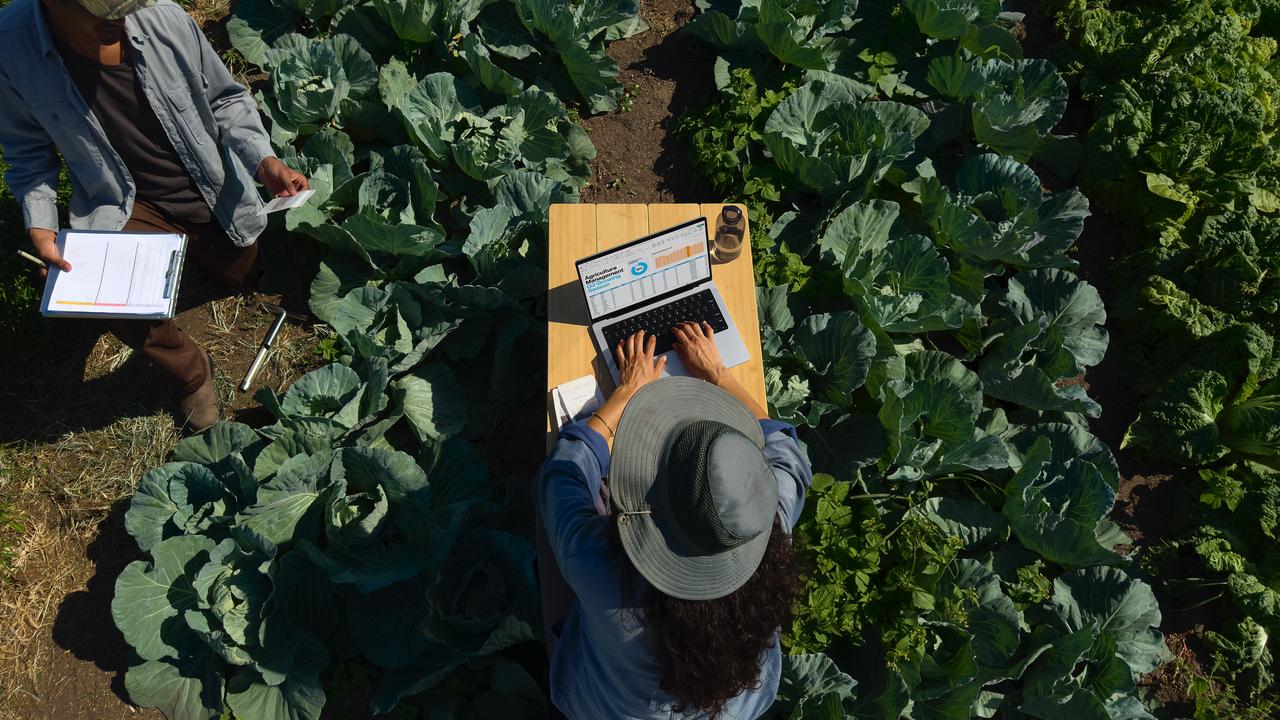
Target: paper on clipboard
x: 115, y: 274
x: 285, y: 203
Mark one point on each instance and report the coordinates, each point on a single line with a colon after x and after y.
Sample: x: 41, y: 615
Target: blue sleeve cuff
x: 770, y: 426
x: 594, y: 440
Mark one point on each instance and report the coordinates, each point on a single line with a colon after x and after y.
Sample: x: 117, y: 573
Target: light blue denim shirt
x: 604, y: 666
x: 211, y: 120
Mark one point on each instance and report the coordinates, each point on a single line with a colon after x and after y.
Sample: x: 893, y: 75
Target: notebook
x: 575, y: 399
x: 115, y: 275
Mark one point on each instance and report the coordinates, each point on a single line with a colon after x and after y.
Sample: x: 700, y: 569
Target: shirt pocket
x: 178, y: 95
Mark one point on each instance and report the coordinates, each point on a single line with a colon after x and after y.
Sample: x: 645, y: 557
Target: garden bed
x: 69, y: 465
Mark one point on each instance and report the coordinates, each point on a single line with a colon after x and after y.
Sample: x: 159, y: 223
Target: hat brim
x: 115, y: 11
x: 637, y: 467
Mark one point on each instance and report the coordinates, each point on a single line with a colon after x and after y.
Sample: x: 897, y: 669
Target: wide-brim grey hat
x: 698, y: 530
x: 115, y: 9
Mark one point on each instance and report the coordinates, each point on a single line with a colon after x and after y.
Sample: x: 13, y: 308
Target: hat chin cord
x: 623, y: 514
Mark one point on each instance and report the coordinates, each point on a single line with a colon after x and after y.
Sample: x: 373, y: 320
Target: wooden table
x: 579, y: 230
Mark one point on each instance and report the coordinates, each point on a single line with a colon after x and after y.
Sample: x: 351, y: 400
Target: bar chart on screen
x: 677, y: 255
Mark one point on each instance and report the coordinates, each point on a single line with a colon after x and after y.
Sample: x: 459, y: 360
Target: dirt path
x: 664, y: 72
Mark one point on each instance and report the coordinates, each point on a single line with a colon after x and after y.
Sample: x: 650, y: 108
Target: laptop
x: 654, y: 284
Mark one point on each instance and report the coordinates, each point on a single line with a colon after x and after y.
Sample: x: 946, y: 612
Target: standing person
x: 157, y: 137
x: 681, y: 566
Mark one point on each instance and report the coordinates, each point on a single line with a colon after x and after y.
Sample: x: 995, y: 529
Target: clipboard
x: 123, y: 275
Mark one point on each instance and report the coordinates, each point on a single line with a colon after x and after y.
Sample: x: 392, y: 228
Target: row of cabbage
x: 925, y: 331
x: 369, y: 540
x: 1182, y: 148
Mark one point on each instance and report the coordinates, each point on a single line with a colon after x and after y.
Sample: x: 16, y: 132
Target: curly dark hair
x: 710, y: 649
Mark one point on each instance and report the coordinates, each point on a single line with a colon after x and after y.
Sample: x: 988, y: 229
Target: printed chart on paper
x: 116, y: 273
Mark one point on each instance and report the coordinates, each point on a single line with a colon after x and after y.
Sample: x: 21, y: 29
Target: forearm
x: 567, y: 491
x: 40, y: 210
x: 729, y: 384
x: 605, y: 420
x: 241, y: 129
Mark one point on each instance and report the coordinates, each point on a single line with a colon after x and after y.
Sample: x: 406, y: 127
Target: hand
x: 636, y: 367
x: 46, y: 244
x: 696, y: 345
x: 280, y: 179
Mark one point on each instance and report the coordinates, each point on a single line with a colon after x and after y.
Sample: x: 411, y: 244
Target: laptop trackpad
x: 728, y: 343
x: 674, y: 366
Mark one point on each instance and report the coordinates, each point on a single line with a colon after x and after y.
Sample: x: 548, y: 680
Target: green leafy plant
x: 1181, y: 146
x: 725, y: 144
x: 259, y: 542
x: 924, y: 330
x: 360, y: 535
x: 850, y: 544
x: 812, y: 686
x: 1185, y: 107
x: 628, y: 101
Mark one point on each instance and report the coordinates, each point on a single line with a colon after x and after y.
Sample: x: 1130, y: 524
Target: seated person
x: 681, y: 566
x: 157, y: 137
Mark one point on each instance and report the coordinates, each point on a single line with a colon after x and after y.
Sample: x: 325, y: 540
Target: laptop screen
x: 622, y: 277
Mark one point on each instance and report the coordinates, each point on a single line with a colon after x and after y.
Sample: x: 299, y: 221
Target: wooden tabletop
x: 579, y: 230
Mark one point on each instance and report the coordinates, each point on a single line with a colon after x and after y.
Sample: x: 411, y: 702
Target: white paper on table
x: 115, y: 274
x: 576, y: 398
x: 284, y: 203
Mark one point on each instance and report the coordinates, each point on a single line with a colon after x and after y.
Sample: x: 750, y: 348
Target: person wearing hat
x: 157, y: 137
x: 669, y: 513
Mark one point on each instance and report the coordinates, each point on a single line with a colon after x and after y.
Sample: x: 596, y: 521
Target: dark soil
x: 665, y: 73
x: 84, y: 678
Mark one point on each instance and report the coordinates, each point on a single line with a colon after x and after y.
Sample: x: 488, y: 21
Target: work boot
x: 202, y: 408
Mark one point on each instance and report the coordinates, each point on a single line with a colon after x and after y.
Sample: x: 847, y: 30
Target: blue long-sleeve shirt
x: 604, y: 666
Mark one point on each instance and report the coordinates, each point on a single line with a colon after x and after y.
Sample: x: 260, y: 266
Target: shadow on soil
x: 681, y: 60
x: 42, y: 387
x: 46, y: 397
x: 83, y: 625
x: 665, y: 74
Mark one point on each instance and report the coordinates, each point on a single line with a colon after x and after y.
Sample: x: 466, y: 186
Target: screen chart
x: 618, y: 280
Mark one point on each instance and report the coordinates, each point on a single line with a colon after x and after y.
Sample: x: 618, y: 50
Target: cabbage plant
x: 924, y: 329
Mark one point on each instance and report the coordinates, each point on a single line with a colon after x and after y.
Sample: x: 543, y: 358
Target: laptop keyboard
x: 698, y: 307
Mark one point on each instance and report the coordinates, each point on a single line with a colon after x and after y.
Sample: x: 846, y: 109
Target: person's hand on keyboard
x: 696, y: 344
x: 636, y: 366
